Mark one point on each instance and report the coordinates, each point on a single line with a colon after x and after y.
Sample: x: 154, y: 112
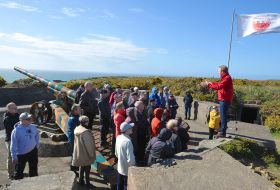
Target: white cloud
x: 109, y: 14
x: 72, y: 12
x: 14, y: 5
x: 93, y: 50
x: 161, y: 51
x: 136, y: 10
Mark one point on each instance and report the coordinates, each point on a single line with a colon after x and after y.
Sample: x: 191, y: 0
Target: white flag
x: 258, y: 24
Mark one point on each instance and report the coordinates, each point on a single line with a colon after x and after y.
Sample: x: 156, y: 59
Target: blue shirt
x: 73, y: 122
x: 23, y: 140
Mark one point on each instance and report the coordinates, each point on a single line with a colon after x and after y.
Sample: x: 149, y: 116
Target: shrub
x: 250, y: 151
x: 273, y: 123
x: 2, y: 81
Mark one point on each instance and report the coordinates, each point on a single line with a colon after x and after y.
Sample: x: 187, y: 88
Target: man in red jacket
x: 225, y: 96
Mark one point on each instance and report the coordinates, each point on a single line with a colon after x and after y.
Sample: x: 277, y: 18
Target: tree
x: 2, y: 81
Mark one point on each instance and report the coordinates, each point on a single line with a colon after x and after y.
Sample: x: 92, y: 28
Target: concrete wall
x: 24, y: 96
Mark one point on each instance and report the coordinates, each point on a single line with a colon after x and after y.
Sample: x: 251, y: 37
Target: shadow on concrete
x: 198, y: 150
x: 194, y: 141
x: 200, y: 133
x: 188, y: 157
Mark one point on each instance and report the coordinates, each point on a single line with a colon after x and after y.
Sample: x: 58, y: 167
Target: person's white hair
x: 88, y: 83
x: 138, y: 104
x: 171, y: 124
x: 135, y: 88
x: 10, y: 105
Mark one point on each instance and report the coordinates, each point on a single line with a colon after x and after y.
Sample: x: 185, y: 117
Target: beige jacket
x: 84, y: 147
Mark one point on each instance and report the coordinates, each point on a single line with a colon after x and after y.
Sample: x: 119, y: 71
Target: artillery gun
x: 56, y: 110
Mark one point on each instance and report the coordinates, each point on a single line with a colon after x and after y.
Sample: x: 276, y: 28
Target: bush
x: 2, y: 81
x: 250, y: 151
x: 273, y: 123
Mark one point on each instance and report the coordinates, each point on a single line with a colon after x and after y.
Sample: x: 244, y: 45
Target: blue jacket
x: 73, y: 122
x: 23, y: 140
x: 155, y: 96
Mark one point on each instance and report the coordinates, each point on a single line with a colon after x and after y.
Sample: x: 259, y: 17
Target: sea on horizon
x: 11, y: 75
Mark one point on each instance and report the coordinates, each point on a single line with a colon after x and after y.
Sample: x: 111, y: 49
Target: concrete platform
x: 213, y: 170
x: 59, y: 181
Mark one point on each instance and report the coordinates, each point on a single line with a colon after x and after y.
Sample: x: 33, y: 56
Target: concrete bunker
x: 249, y: 113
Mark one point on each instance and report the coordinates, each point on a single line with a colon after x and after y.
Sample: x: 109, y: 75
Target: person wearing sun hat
x: 24, y: 146
x: 124, y: 153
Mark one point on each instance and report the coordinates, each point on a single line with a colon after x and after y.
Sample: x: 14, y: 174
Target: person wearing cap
x: 104, y: 116
x: 172, y: 106
x: 84, y: 151
x: 24, y: 146
x: 214, y: 121
x: 10, y: 118
x: 125, y: 154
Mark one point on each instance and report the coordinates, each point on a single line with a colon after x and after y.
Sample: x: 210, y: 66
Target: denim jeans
x: 188, y: 111
x: 223, y: 113
x: 122, y: 182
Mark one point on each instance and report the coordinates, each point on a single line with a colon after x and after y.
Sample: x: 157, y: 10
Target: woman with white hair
x: 84, y: 150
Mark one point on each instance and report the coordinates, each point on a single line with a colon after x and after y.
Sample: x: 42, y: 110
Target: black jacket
x: 188, y: 99
x: 9, y: 122
x: 184, y: 137
x: 173, y: 106
x: 104, y: 109
x: 151, y: 112
x: 158, y: 148
x: 88, y: 103
x: 175, y: 139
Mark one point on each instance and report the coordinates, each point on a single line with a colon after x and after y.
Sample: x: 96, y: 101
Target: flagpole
x: 232, y: 22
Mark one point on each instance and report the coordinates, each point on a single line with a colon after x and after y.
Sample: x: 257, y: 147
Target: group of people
x: 144, y: 126
x: 22, y: 142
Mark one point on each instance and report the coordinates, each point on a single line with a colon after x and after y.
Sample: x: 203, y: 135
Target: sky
x: 172, y: 38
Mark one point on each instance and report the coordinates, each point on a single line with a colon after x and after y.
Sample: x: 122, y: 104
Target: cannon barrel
x: 52, y: 85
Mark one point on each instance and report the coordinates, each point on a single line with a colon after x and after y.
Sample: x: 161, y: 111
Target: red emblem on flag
x: 260, y: 24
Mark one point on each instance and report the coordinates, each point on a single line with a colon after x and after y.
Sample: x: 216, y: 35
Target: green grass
x: 249, y: 151
x: 276, y: 134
